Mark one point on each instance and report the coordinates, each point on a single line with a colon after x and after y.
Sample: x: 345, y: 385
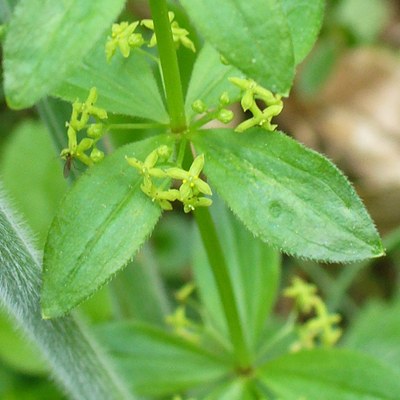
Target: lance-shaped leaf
x: 125, y: 85
x: 159, y: 363
x: 337, y: 374
x: 46, y: 40
x: 101, y: 223
x: 288, y: 195
x: 303, y: 34
x: 253, y: 35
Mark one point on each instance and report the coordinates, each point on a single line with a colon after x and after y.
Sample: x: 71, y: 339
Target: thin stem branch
x: 169, y: 65
x: 223, y: 280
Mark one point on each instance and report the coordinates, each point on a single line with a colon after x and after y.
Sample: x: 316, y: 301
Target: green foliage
x: 62, y: 32
x: 337, y: 374
x: 292, y: 197
x: 103, y: 222
x: 215, y: 337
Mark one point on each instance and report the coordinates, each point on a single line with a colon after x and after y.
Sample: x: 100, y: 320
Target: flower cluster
x: 252, y: 92
x: 80, y: 117
x: 123, y: 36
x: 322, y: 327
x: 190, y: 190
x: 179, y: 35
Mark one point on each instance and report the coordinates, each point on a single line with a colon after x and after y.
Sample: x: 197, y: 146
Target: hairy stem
x: 169, y: 65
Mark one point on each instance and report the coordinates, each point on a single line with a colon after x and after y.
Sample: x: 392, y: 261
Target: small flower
x: 192, y: 184
x: 124, y: 38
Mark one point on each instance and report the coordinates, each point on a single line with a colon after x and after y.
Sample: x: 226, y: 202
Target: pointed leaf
x: 290, y: 196
x: 158, y: 363
x: 101, y: 223
x: 46, y: 40
x: 303, y: 35
x: 253, y: 35
x: 337, y: 374
x: 125, y: 85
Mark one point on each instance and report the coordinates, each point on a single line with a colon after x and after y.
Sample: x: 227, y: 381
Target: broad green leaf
x: 303, y: 34
x: 76, y: 360
x: 101, y: 223
x: 330, y: 374
x: 158, y: 363
x: 376, y: 331
x: 290, y: 196
x: 254, y: 270
x: 46, y: 40
x: 32, y: 175
x: 210, y: 79
x: 125, y: 85
x: 253, y: 35
x: 235, y: 389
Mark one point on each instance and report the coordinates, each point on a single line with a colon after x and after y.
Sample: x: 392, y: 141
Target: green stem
x: 224, y: 284
x: 169, y: 65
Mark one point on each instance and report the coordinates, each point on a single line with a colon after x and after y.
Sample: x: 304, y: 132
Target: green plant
x: 290, y: 197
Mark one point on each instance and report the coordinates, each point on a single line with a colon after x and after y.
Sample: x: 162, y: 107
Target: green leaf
x: 253, y: 35
x: 32, y: 175
x: 125, y: 85
x: 158, y: 363
x: 46, y: 40
x: 376, y: 331
x: 101, y: 223
x: 330, y: 374
x: 288, y: 195
x: 303, y: 34
x: 254, y: 270
x: 210, y: 79
x: 76, y: 360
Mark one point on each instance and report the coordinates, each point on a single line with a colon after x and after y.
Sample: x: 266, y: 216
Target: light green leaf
x: 303, y: 34
x: 209, y: 80
x: 125, y: 85
x: 254, y: 270
x: 376, y: 331
x: 158, y: 363
x: 101, y: 223
x: 288, y: 195
x: 46, y: 40
x: 253, y: 35
x: 330, y: 374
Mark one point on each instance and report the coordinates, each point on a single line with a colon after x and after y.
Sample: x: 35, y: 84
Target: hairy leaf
x: 253, y: 35
x: 333, y: 374
x: 77, y: 362
x: 158, y: 363
x: 125, y: 85
x: 288, y: 195
x: 46, y: 40
x: 101, y: 223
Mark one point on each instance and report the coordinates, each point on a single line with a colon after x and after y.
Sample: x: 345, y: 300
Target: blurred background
x: 345, y: 103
